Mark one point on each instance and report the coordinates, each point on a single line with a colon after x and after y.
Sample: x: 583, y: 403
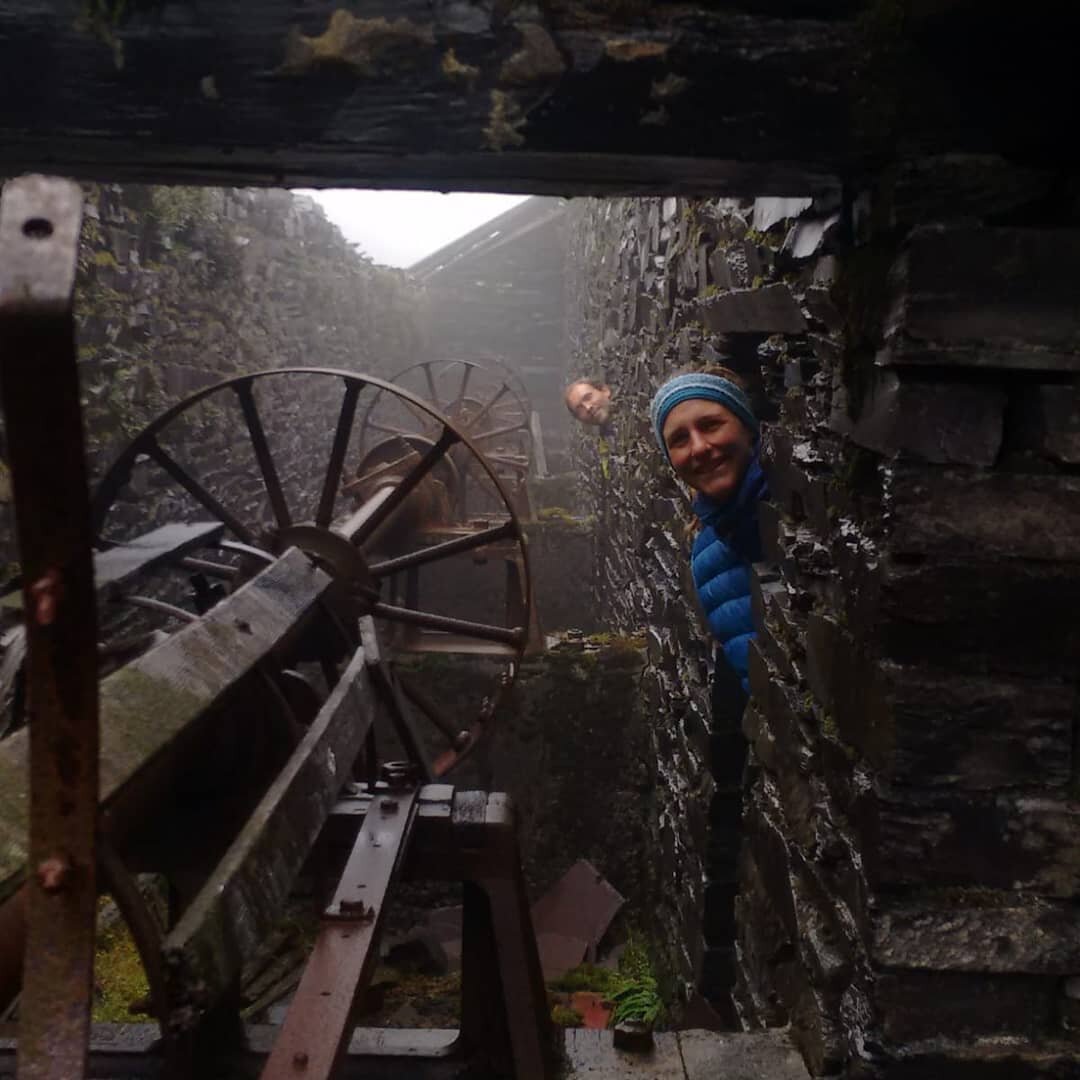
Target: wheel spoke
x: 428, y: 462
x: 510, y: 463
x: 430, y: 710
x: 496, y: 433
x: 431, y: 385
x: 198, y: 492
x: 337, y: 455
x: 485, y: 409
x: 428, y: 620
x: 444, y: 550
x: 464, y: 384
x: 263, y: 456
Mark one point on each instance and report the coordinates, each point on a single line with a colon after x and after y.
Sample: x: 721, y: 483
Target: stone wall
x: 181, y: 287
x: 658, y: 284
x: 912, y: 814
x: 909, y: 871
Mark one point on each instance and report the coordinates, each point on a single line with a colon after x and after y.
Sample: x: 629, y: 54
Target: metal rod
x: 205, y: 566
x: 430, y: 710
x: 496, y: 432
x: 443, y: 550
x: 430, y: 621
x: 161, y: 606
x: 332, y: 481
x: 489, y: 406
x: 464, y: 384
x: 40, y: 219
x: 402, y: 491
x: 196, y: 490
x: 245, y: 392
x: 359, y: 517
x: 431, y: 385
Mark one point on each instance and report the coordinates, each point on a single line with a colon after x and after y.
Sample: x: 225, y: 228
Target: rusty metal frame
x: 318, y: 1025
x: 40, y: 219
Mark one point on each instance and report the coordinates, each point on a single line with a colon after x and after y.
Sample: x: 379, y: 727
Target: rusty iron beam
x: 40, y: 220
x: 318, y: 1026
x: 240, y: 900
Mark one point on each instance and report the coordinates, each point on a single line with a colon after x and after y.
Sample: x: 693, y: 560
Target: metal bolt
x: 45, y: 593
x: 300, y: 1059
x: 53, y: 873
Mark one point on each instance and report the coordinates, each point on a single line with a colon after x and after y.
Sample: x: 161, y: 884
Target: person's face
x: 589, y: 404
x: 709, y: 447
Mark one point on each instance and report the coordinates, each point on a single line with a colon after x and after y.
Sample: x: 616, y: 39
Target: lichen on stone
x: 504, y: 120
x: 537, y: 61
x: 364, y: 47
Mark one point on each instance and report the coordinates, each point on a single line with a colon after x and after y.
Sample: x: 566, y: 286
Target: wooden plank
x: 244, y: 896
x: 252, y: 83
x: 148, y: 703
x: 120, y: 564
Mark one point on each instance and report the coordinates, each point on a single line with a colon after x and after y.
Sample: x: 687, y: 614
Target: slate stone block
x: 914, y: 1006
x: 954, y: 512
x: 1047, y: 420
x: 923, y: 726
x: 768, y: 310
x: 988, y: 933
x: 987, y: 297
x: 1013, y: 616
x: 943, y: 423
x: 1007, y: 842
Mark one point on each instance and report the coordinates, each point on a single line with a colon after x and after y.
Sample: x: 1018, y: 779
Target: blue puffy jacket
x: 723, y: 551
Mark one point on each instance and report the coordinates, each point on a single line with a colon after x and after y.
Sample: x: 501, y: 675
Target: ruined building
x: 862, y: 206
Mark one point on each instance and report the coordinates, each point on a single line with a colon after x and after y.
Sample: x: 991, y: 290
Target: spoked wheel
x: 487, y: 403
x: 264, y: 456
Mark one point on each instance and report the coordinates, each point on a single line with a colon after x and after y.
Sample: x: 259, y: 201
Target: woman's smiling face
x: 709, y: 447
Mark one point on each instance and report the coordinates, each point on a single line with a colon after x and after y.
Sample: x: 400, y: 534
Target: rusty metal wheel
x: 486, y: 401
x: 274, y: 460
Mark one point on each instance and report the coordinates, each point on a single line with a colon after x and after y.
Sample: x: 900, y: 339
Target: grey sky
x: 398, y: 228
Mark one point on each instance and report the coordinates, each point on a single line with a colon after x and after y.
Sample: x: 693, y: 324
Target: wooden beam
x: 240, y: 901
x: 151, y: 702
x: 589, y: 96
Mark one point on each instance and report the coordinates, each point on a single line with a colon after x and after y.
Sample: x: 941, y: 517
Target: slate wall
x: 656, y: 285
x: 908, y: 876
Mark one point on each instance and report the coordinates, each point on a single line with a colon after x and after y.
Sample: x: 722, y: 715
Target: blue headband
x: 699, y: 384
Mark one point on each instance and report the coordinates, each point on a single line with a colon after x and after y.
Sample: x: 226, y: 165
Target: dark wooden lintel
x: 585, y: 97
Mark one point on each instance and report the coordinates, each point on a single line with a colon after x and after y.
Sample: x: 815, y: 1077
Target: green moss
x: 104, y: 258
x: 562, y: 1016
x: 557, y: 513
x: 119, y: 978
x: 588, y: 977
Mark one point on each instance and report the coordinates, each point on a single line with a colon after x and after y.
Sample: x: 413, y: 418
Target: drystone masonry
x: 908, y: 878
x: 912, y: 815
x: 655, y: 285
x: 179, y: 288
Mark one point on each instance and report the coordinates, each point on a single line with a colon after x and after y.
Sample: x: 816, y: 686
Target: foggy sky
x: 398, y: 228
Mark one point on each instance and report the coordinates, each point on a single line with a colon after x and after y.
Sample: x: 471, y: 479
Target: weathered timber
x: 588, y: 97
x: 146, y: 705
x: 239, y: 902
x: 118, y: 565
